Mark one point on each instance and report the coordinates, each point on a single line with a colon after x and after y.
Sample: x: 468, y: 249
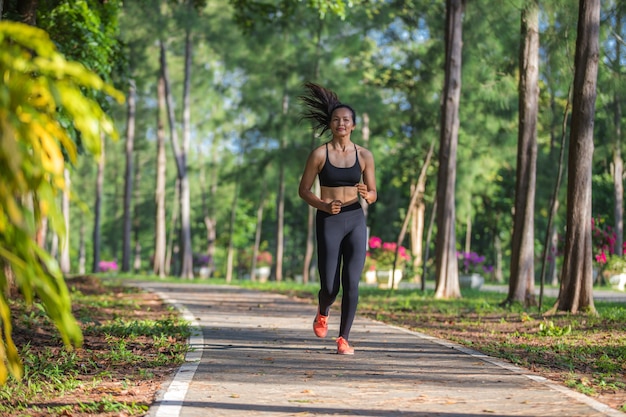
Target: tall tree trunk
x: 429, y: 233
x: 307, y: 269
x: 618, y: 181
x: 185, y: 191
x: 280, y: 203
x: 209, y: 217
x: 137, y: 217
x: 552, y: 275
x: 310, y: 232
x: 82, y: 250
x: 280, y: 224
x: 96, y: 237
x: 230, y: 254
x: 497, y: 243
x: 310, y: 245
x: 365, y: 133
x: 128, y: 176
x: 160, y: 233
x: 522, y: 277
x: 180, y: 152
x: 174, y: 235
x: 54, y: 246
x: 204, y: 197
x: 468, y: 232
x: 416, y: 234
x: 447, y: 269
x: 576, y: 291
x: 618, y: 162
x: 65, y: 263
x: 42, y: 232
x: 257, y: 234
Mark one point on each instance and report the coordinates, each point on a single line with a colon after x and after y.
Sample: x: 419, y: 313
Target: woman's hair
x: 320, y: 103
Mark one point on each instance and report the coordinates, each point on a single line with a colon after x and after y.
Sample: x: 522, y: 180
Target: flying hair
x: 319, y: 103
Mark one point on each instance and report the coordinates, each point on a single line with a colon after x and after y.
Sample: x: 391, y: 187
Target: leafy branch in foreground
x: 40, y: 93
x: 130, y: 343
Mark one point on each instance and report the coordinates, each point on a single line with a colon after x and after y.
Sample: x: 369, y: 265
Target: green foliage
x: 550, y: 329
x: 385, y: 59
x: 249, y: 12
x: 85, y: 31
x: 615, y: 265
x: 38, y: 86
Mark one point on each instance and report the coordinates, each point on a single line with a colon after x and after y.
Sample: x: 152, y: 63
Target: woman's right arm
x: 311, y: 170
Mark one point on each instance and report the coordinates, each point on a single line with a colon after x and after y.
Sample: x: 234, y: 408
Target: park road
x: 255, y: 354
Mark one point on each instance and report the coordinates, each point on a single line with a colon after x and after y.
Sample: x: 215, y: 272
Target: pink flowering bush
x: 472, y: 263
x: 610, y: 259
x: 603, y: 238
x: 264, y: 258
x: 381, y: 254
x: 107, y: 266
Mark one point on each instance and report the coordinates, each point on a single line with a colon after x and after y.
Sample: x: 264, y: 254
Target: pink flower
x: 382, y: 254
x: 390, y: 246
x: 107, y: 266
x: 375, y: 242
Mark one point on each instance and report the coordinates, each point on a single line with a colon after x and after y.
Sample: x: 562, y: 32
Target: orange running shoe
x: 343, y: 348
x: 320, y: 325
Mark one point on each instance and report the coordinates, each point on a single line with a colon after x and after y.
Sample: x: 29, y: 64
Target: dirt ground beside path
x: 103, y: 383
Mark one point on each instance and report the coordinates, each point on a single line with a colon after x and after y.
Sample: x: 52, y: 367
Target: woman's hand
x: 363, y: 191
x: 334, y: 206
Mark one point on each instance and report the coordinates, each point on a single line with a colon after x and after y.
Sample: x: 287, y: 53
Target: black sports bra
x: 332, y: 176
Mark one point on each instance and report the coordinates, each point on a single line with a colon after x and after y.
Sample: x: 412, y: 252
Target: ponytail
x: 319, y: 104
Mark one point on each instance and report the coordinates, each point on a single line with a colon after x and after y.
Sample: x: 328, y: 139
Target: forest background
x: 203, y: 181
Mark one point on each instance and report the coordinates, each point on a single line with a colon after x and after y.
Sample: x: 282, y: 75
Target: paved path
x: 255, y: 355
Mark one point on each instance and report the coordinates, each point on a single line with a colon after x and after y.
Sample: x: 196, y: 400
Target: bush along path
x: 132, y: 343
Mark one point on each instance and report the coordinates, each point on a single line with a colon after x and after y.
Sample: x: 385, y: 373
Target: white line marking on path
x: 171, y: 404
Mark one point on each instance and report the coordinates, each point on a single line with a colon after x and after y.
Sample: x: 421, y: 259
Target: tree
x: 128, y: 176
x: 180, y: 154
x: 64, y: 256
x: 447, y: 269
x: 522, y: 279
x: 576, y: 290
x: 160, y: 235
x: 97, y: 222
x: 280, y: 195
x: 49, y: 89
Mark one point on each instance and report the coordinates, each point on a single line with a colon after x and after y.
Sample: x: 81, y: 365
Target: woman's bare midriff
x: 347, y: 195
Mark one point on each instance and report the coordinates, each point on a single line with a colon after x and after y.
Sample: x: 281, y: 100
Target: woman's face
x: 341, y: 123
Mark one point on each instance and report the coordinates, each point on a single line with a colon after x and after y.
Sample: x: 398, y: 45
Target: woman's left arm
x: 367, y: 190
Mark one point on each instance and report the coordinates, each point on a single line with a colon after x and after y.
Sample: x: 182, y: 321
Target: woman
x: 340, y: 165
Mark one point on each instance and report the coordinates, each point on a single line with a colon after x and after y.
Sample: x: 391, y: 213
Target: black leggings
x: 341, y: 247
